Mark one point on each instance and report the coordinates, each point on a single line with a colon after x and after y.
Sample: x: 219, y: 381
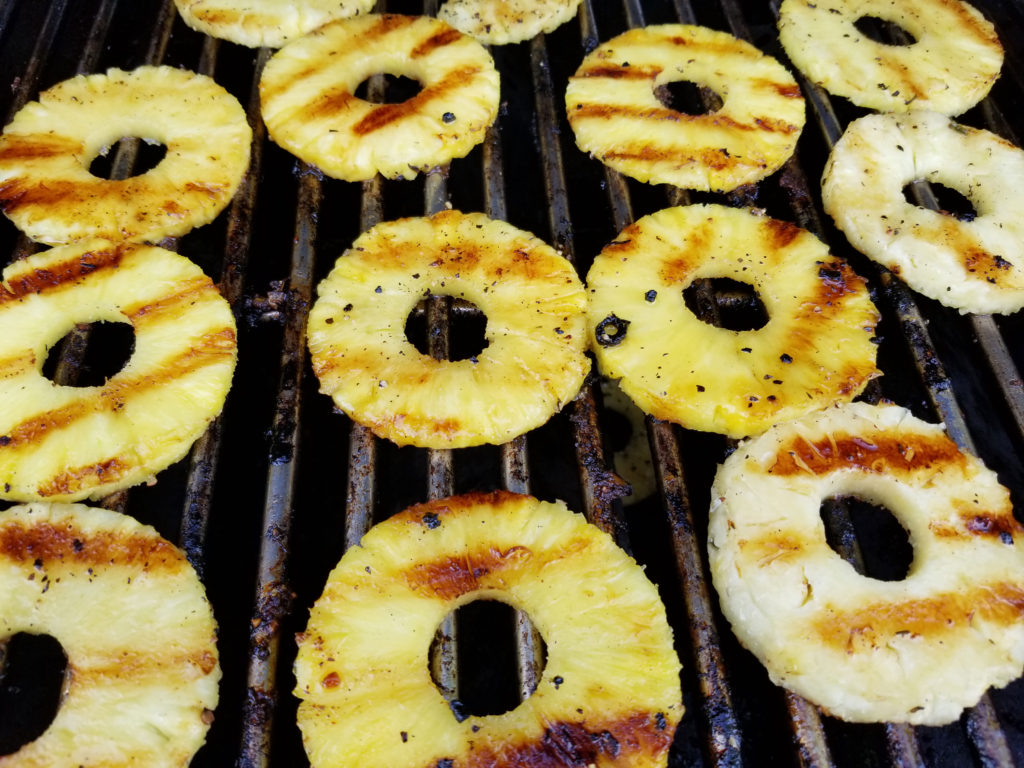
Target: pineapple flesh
x: 307, y: 95
x: 64, y: 443
x: 613, y: 106
x: 916, y: 650
x: 949, y: 65
x: 534, y: 360
x: 609, y: 694
x: 270, y: 23
x: 134, y: 623
x: 500, y: 22
x: 816, y: 348
x: 46, y: 188
x: 974, y: 265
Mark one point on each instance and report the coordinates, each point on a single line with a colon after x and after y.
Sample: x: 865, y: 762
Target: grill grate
x: 280, y: 485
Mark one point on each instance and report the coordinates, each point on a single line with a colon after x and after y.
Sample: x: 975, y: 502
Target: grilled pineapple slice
x: 534, y: 360
x: 62, y: 443
x: 975, y: 265
x: 917, y: 650
x: 609, y: 694
x: 949, y: 66
x: 614, y: 109
x: 46, y: 188
x: 816, y: 347
x: 499, y: 22
x: 258, y: 23
x: 307, y: 94
x: 134, y: 624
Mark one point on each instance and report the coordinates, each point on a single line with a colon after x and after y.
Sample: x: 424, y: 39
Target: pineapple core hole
x: 688, y: 97
x: 883, y: 31
x: 950, y: 201
x: 726, y: 303
x: 467, y: 327
x: 90, y: 354
x: 111, y: 164
x: 884, y: 545
x: 385, y: 88
x: 486, y: 660
x: 30, y: 687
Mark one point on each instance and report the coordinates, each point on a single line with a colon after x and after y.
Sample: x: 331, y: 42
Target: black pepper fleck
x: 431, y: 520
x: 611, y: 331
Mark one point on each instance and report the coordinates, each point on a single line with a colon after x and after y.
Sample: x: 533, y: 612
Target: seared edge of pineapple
x: 610, y: 688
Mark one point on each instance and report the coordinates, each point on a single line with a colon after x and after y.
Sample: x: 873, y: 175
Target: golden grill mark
x: 43, y: 542
x: 453, y: 577
x: 765, y: 550
x: 383, y: 115
x: 210, y: 349
x: 434, y: 42
x: 997, y: 524
x: 61, y: 274
x: 18, y: 192
x: 780, y: 233
x: 873, y: 625
x: 17, y: 364
x: 75, y: 479
x: 881, y: 453
x: 188, y: 292
x: 614, y: 72
x: 612, y: 741
x: 37, y: 146
x: 137, y: 666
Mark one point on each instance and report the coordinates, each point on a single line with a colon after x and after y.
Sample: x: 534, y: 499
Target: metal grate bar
x: 273, y: 595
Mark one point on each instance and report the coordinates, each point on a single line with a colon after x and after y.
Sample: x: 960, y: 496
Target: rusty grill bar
x: 280, y: 485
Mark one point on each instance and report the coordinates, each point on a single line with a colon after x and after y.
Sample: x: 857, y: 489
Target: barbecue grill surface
x: 282, y: 484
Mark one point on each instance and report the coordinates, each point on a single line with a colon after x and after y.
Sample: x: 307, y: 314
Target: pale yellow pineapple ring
x: 976, y: 265
x: 534, y: 361
x: 46, y: 188
x: 134, y: 623
x: 951, y: 66
x: 307, y: 94
x: 616, y: 115
x: 64, y: 443
x: 610, y: 689
x: 500, y: 22
x: 258, y: 23
x: 917, y: 650
x: 816, y: 347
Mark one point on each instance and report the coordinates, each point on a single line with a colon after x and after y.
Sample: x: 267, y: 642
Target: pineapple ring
x: 307, y: 95
x: 64, y: 443
x: 816, y: 347
x: 500, y: 22
x: 534, y: 361
x: 46, y: 188
x: 609, y: 694
x: 974, y: 266
x: 917, y: 650
x: 269, y: 23
x: 614, y: 110
x: 951, y: 66
x: 134, y: 622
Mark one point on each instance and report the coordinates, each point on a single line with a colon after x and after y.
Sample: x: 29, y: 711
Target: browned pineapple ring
x: 615, y: 111
x: 63, y: 443
x: 307, y: 94
x: 265, y: 22
x: 499, y: 22
x: 816, y: 347
x: 950, y: 65
x: 134, y: 624
x: 917, y: 650
x: 46, y: 188
x: 609, y: 694
x: 975, y: 265
x: 534, y: 361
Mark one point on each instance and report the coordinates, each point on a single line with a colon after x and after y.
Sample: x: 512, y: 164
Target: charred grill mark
x: 62, y: 274
x: 617, y: 72
x: 873, y: 625
x: 432, y: 43
x: 209, y: 349
x: 383, y: 115
x: 780, y: 233
x: 137, y: 666
x: 969, y: 21
x: 786, y: 90
x: 75, y: 479
x: 189, y: 292
x: 995, y: 524
x: 39, y: 544
x: 453, y: 577
x: 716, y: 119
x: 19, y: 192
x: 328, y: 104
x: 989, y: 266
x: 15, y: 148
x: 879, y: 453
x: 836, y: 280
x: 580, y: 744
